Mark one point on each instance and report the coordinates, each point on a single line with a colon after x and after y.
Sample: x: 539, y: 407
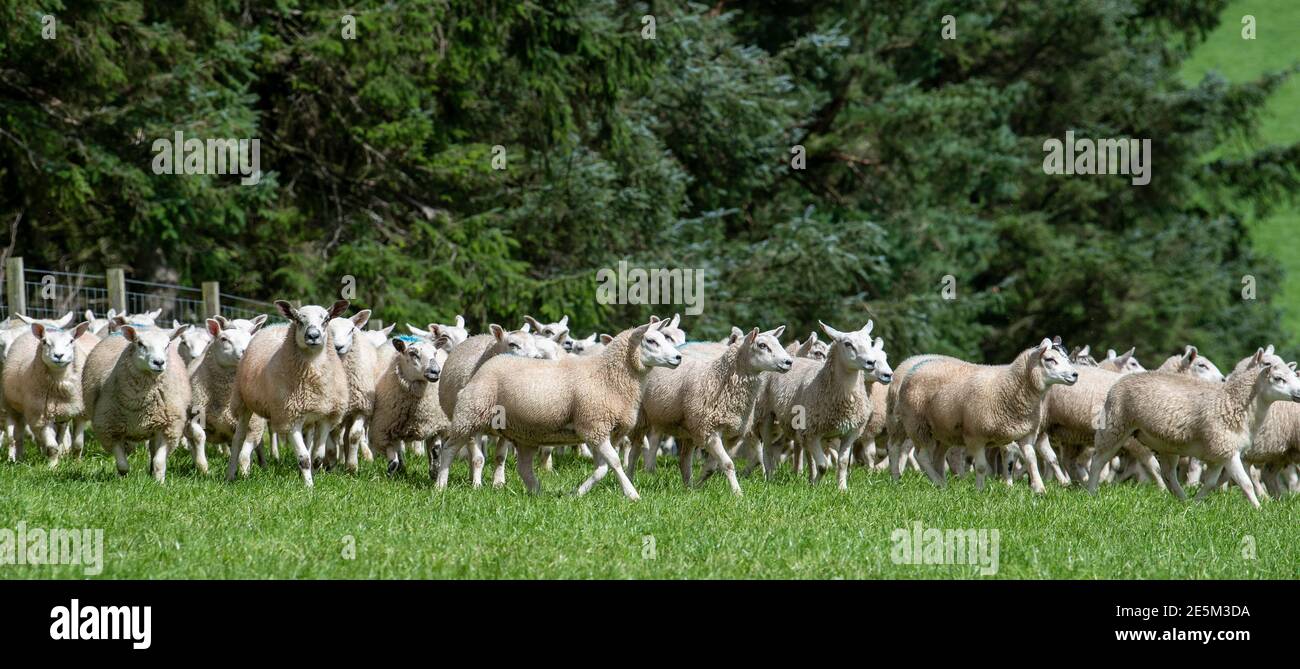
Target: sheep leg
x: 847, y: 443
x: 602, y: 468
x: 1169, y: 470
x: 1238, y: 473
x: 50, y: 441
x: 198, y: 443
x: 771, y: 449
x: 301, y: 451
x: 499, y: 455
x: 817, y: 458
x: 548, y: 459
x: 275, y: 446
x: 724, y: 461
x: 1194, y: 470
x: 524, y: 464
x: 159, y: 447
x: 65, y: 439
x: 895, y: 447
x: 1044, y: 446
x: 446, y: 455
x: 977, y: 451
x: 1152, y: 465
x: 685, y: 461
x: 1209, y: 480
x: 1027, y: 452
x: 606, y: 451
x: 356, y: 437
x: 119, y: 455
x: 1106, y: 443
x: 631, y: 453
x: 925, y: 455
x: 1272, y: 486
x: 476, y: 460
x: 240, y: 450
x: 651, y: 452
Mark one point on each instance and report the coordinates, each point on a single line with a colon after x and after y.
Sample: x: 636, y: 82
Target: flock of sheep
x: 333, y: 391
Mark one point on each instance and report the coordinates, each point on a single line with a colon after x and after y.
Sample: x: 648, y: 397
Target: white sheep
x: 446, y: 337
x: 406, y: 399
x: 212, y: 382
x: 360, y: 360
x: 465, y: 359
x: 1125, y: 364
x: 42, y: 386
x: 557, y: 331
x: 1175, y: 415
x: 591, y: 345
x: 708, y: 402
x: 536, y: 403
x: 940, y: 402
x: 146, y: 397
x: 194, y: 341
x: 1193, y: 363
x: 290, y: 377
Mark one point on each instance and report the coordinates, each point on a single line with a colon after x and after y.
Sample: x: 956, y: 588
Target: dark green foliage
x: 923, y: 160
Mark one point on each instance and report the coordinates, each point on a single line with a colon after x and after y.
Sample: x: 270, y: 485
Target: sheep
x: 377, y: 338
x: 98, y: 325
x: 816, y: 401
x: 707, y: 402
x: 446, y: 337
x: 591, y: 345
x: 406, y: 399
x: 241, y: 323
x: 536, y: 403
x: 1126, y: 363
x: 1081, y: 356
x: 942, y: 401
x: 359, y: 362
x: 146, y: 397
x: 290, y: 377
x: 1277, y: 444
x: 559, y: 331
x: 1191, y: 362
x: 465, y: 359
x: 193, y: 342
x: 1175, y: 415
x: 212, y: 381
x: 22, y: 321
x: 811, y: 348
x: 42, y: 386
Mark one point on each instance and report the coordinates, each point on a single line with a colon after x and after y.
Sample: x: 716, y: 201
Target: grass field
x: 1276, y: 47
x: 270, y: 526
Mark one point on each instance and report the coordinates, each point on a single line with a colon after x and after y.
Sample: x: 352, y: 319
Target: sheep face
x: 548, y: 348
x: 1127, y: 363
x: 419, y: 361
x: 1054, y: 365
x: 309, y: 323
x: 858, y: 353
x: 1199, y: 366
x: 149, y: 318
x: 229, y: 344
x: 57, y: 347
x: 657, y: 350
x: 675, y: 334
x: 1082, y: 357
x: 813, y: 349
x: 194, y: 341
x: 343, y: 331
x: 763, y: 351
x: 1277, y: 381
x: 581, y: 346
x: 518, y: 342
x: 149, y: 346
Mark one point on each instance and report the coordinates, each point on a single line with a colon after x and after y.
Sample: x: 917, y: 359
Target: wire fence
x: 49, y: 294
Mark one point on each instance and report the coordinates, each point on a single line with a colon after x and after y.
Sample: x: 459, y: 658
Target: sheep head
x: 308, y: 323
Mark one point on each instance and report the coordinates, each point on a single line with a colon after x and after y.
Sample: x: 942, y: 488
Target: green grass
x: 1276, y: 47
x: 270, y: 526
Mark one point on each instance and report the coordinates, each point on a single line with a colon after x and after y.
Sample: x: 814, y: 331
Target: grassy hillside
x: 1277, y: 46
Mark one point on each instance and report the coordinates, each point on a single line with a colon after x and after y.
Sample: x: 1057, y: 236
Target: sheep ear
x: 1268, y: 350
x: 736, y: 335
x: 111, y: 313
x: 527, y: 327
x: 257, y: 322
x: 804, y: 348
x: 360, y: 318
x: 591, y: 339
x: 339, y: 307
x: 287, y: 310
x: 25, y: 319
x: 63, y: 322
x: 153, y: 315
x: 564, y: 320
x: 399, y: 345
x: 1111, y: 354
x: 417, y: 331
x: 80, y: 329
x: 776, y: 332
x: 677, y: 318
x: 388, y: 329
x: 460, y: 321
x: 560, y: 335
x: 497, y: 331
x: 1291, y: 365
x: 529, y: 320
x: 605, y: 339
x: 38, y: 330
x: 128, y: 331
x: 866, y: 329
x: 90, y: 315
x: 435, y: 330
x: 812, y: 337
x: 654, y: 318
x: 880, y: 344
x: 221, y: 320
x: 214, y: 327
x: 830, y: 331
x: 116, y: 322
x: 442, y: 342
x: 1044, y: 345
x: 1190, y: 354
x: 749, y: 338
x: 178, y: 330
x: 175, y: 323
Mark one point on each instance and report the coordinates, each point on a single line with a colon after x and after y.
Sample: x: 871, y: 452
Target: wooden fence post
x: 376, y: 323
x: 116, y: 280
x: 17, y: 287
x: 211, y: 299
